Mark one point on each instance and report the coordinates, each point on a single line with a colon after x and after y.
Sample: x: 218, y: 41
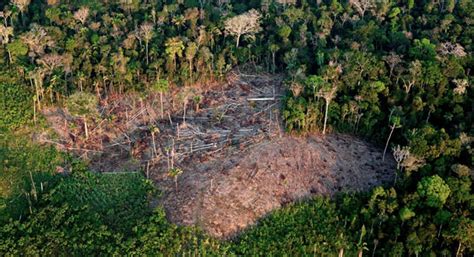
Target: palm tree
x: 146, y: 33
x: 174, y: 47
x: 161, y: 86
x: 174, y: 173
x: 191, y: 51
x: 328, y: 92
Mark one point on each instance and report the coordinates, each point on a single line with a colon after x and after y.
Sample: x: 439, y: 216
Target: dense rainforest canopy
x: 397, y: 72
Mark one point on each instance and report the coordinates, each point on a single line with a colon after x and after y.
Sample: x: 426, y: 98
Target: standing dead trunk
x: 33, y: 187
x: 459, y: 249
x: 184, y: 111
x: 325, y: 116
x: 146, y: 51
x: 238, y: 40
x: 34, y: 111
x: 86, y: 128
x: 161, y: 104
x: 191, y: 70
x: 153, y: 142
x: 388, y: 141
x: 10, y: 61
x: 273, y: 62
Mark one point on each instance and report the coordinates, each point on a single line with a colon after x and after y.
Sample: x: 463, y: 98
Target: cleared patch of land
x: 237, y: 164
x: 227, y: 194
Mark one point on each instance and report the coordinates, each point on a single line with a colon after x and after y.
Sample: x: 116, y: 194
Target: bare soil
x: 227, y: 194
x: 237, y: 163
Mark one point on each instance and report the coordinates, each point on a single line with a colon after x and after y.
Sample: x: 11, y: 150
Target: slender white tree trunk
x: 184, y: 111
x: 459, y: 249
x: 341, y: 252
x: 146, y: 50
x: 33, y: 187
x: 161, y: 104
x: 388, y: 141
x: 153, y: 141
x: 325, y: 117
x: 238, y: 39
x: 85, y: 128
x: 9, y: 56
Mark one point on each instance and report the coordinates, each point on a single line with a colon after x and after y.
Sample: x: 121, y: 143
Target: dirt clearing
x: 226, y: 195
x: 237, y: 164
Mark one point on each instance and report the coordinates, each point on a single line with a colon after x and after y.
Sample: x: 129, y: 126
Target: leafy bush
x: 15, y: 106
x: 120, y: 199
x: 26, y: 170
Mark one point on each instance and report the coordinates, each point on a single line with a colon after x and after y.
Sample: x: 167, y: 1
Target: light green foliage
x: 161, y: 86
x: 82, y: 104
x: 406, y: 214
x: 434, y: 190
x: 17, y: 49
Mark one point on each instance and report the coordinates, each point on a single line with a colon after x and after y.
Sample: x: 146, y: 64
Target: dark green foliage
x: 16, y: 106
x: 26, y: 172
x: 119, y: 199
x: 312, y: 228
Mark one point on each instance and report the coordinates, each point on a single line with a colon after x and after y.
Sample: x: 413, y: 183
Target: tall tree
x: 146, y: 33
x: 395, y: 122
x: 327, y: 92
x: 174, y: 48
x: 22, y: 5
x: 190, y: 53
x: 247, y: 23
x: 161, y: 86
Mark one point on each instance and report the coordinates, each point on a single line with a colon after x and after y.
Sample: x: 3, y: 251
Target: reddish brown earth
x: 227, y: 194
x: 237, y: 163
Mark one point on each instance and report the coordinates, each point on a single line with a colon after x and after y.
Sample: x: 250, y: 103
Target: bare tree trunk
x: 325, y: 117
x: 459, y: 249
x: 341, y: 252
x: 9, y: 56
x: 153, y: 141
x: 238, y: 39
x: 33, y: 187
x: 161, y: 104
x: 146, y: 50
x: 191, y: 70
x: 172, y: 155
x: 273, y: 62
x: 85, y: 128
x: 376, y: 242
x: 386, y: 144
x: 184, y: 111
x: 34, y: 111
